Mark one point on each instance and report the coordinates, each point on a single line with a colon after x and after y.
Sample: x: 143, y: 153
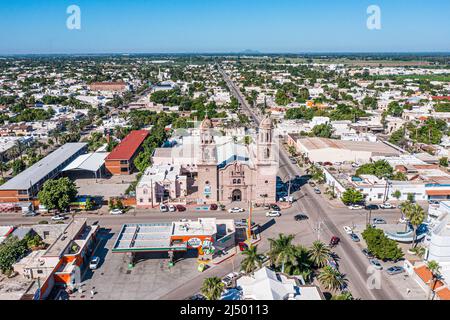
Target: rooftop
x: 376, y: 148
x: 44, y: 167
x: 89, y: 162
x: 126, y: 149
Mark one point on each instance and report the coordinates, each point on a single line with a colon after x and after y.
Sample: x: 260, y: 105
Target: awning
x: 438, y: 192
x: 89, y: 162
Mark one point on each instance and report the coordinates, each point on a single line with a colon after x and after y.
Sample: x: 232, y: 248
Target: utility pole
x: 151, y: 187
x: 249, y: 222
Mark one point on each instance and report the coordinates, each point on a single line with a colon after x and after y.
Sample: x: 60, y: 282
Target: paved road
x: 352, y: 262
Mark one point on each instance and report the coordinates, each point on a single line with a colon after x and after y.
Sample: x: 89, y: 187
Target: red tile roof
x: 128, y: 146
x: 425, y: 274
x: 443, y: 294
x: 441, y: 97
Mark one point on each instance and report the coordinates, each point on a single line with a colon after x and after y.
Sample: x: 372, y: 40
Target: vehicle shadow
x: 266, y: 225
x: 103, y: 236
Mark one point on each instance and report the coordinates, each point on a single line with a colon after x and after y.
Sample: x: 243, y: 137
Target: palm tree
x: 435, y: 269
x: 252, y: 261
x: 212, y: 288
x: 302, y: 265
x: 332, y: 279
x: 319, y: 254
x: 343, y: 296
x: 416, y: 215
x: 282, y: 251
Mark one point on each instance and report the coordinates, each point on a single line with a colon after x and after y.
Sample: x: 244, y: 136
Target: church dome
x: 206, y: 123
x: 266, y: 123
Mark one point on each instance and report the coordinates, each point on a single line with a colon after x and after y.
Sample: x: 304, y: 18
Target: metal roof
x: 44, y: 167
x: 89, y: 162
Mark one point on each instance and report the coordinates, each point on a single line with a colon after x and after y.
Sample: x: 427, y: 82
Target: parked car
x: 58, y: 218
x: 273, y: 214
x: 180, y: 207
x: 354, y: 237
x: 172, y: 208
x: 163, y: 208
x: 293, y: 161
x: 235, y: 210
x: 197, y: 297
x: 95, y: 261
x: 116, y: 212
x: 228, y: 279
x: 213, y: 207
x: 312, y: 184
x: 376, y: 264
x: 433, y: 202
x: 378, y: 221
x: 275, y: 207
x: 30, y: 214
x: 317, y: 191
x: 355, y: 207
x: 348, y: 230
x: 367, y: 253
x: 372, y: 207
x: 387, y: 206
x: 287, y: 199
x: 395, y: 270
x: 327, y: 163
x: 301, y: 217
x: 242, y: 223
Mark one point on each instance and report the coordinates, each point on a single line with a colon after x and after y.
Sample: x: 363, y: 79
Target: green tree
x: 11, y: 250
x: 397, y: 194
x: 322, y: 131
x: 416, y: 215
x: 252, y: 261
x: 381, y: 246
x: 399, y: 176
x: 302, y: 265
x: 435, y: 270
x: 319, y: 254
x: 395, y: 109
x: 18, y: 166
x: 380, y: 169
x: 57, y: 194
x: 352, y: 196
x: 282, y: 250
x: 343, y: 296
x: 332, y: 279
x: 89, y: 204
x: 212, y: 288
x: 443, y: 162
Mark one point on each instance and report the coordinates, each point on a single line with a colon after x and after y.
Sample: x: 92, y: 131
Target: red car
x: 334, y: 241
x: 213, y: 207
x: 180, y: 207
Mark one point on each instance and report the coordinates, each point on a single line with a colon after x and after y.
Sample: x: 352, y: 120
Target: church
x: 232, y: 172
x: 220, y: 168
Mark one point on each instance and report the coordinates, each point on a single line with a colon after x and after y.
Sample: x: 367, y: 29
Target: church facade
x: 231, y: 173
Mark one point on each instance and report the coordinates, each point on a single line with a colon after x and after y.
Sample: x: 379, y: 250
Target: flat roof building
x: 175, y: 236
x: 330, y: 150
x: 27, y: 184
x: 120, y: 160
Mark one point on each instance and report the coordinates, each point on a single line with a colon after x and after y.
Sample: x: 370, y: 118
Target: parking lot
x: 106, y: 188
x: 150, y: 279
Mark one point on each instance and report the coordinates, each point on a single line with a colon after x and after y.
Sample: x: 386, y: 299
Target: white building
x: 266, y: 284
x: 329, y: 150
x: 160, y: 183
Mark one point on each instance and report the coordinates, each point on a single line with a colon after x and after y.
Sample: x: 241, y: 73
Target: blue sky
x: 139, y: 26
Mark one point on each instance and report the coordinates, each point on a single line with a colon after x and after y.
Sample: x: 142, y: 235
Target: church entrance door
x: 236, y: 195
